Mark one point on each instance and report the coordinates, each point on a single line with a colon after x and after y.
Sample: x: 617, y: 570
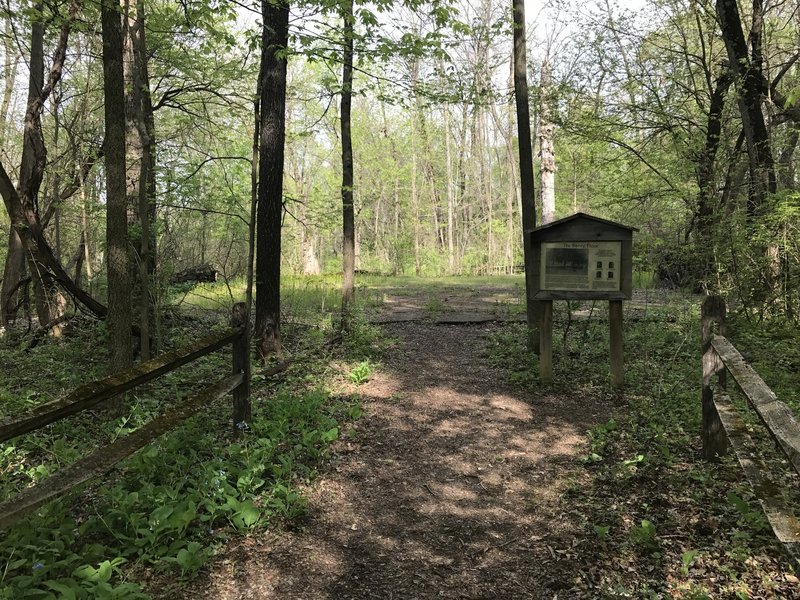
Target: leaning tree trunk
x: 22, y: 202
x: 274, y: 40
x: 34, y: 158
x: 525, y: 165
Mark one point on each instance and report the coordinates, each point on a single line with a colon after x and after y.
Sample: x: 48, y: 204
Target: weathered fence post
x: 715, y: 442
x: 241, y: 364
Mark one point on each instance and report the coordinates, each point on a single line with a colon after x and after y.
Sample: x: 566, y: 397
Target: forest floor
x: 466, y: 478
x: 450, y: 488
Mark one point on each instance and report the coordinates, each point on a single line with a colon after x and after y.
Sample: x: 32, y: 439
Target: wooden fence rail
x: 724, y: 429
x: 91, y: 394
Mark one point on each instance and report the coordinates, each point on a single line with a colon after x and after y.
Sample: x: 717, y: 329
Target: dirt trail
x: 451, y: 489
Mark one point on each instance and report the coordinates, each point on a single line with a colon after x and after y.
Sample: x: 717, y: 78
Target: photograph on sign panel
x: 567, y: 261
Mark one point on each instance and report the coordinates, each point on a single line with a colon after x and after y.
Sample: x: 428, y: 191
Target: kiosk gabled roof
x: 581, y: 215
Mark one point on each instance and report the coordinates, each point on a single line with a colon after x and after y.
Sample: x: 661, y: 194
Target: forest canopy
x: 676, y: 117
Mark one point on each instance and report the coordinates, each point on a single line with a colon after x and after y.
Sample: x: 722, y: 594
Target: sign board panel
x: 583, y: 266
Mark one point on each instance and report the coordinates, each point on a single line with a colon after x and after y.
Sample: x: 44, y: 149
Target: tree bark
x: 254, y: 161
x: 525, y: 164
x: 117, y: 261
x: 140, y: 164
x: 34, y: 158
x: 10, y: 72
x: 451, y: 194
x: 13, y: 273
x: 274, y: 41
x: 348, y: 214
x: 704, y: 215
x: 748, y: 72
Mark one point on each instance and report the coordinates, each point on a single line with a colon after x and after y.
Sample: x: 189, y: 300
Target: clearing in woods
x: 451, y: 487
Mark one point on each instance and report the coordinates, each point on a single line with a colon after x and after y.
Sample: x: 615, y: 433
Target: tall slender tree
x: 117, y: 264
x: 140, y: 164
x: 525, y: 164
x: 274, y: 48
x: 348, y: 213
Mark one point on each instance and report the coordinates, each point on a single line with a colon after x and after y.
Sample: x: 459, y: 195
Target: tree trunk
x: 21, y: 203
x: 706, y: 205
x: 117, y: 261
x: 525, y: 164
x: 348, y: 214
x: 451, y: 193
x: 13, y: 274
x: 23, y: 206
x: 762, y: 171
x: 486, y: 184
x: 786, y: 159
x: 86, y: 240
x: 309, y: 248
x: 507, y: 133
x: 140, y: 164
x: 274, y: 40
x: 254, y: 162
x: 10, y: 72
x: 34, y: 158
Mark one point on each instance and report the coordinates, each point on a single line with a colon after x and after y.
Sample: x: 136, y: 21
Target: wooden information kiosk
x: 582, y: 257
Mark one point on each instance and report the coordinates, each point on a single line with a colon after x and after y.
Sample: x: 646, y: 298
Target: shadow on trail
x: 452, y: 486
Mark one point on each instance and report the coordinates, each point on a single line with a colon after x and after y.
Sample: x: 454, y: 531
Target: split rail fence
x: 724, y: 428
x: 92, y: 394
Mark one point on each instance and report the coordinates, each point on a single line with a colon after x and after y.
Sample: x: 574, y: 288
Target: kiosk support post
x: 546, y: 342
x: 615, y: 337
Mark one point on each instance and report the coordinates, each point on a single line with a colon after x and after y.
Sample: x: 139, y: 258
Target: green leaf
x: 331, y: 435
x: 687, y: 559
x: 66, y: 592
x: 249, y: 513
x: 104, y: 571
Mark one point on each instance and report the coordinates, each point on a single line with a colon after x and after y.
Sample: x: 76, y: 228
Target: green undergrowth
x: 773, y: 349
x: 654, y: 520
x: 166, y: 510
x: 304, y: 299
